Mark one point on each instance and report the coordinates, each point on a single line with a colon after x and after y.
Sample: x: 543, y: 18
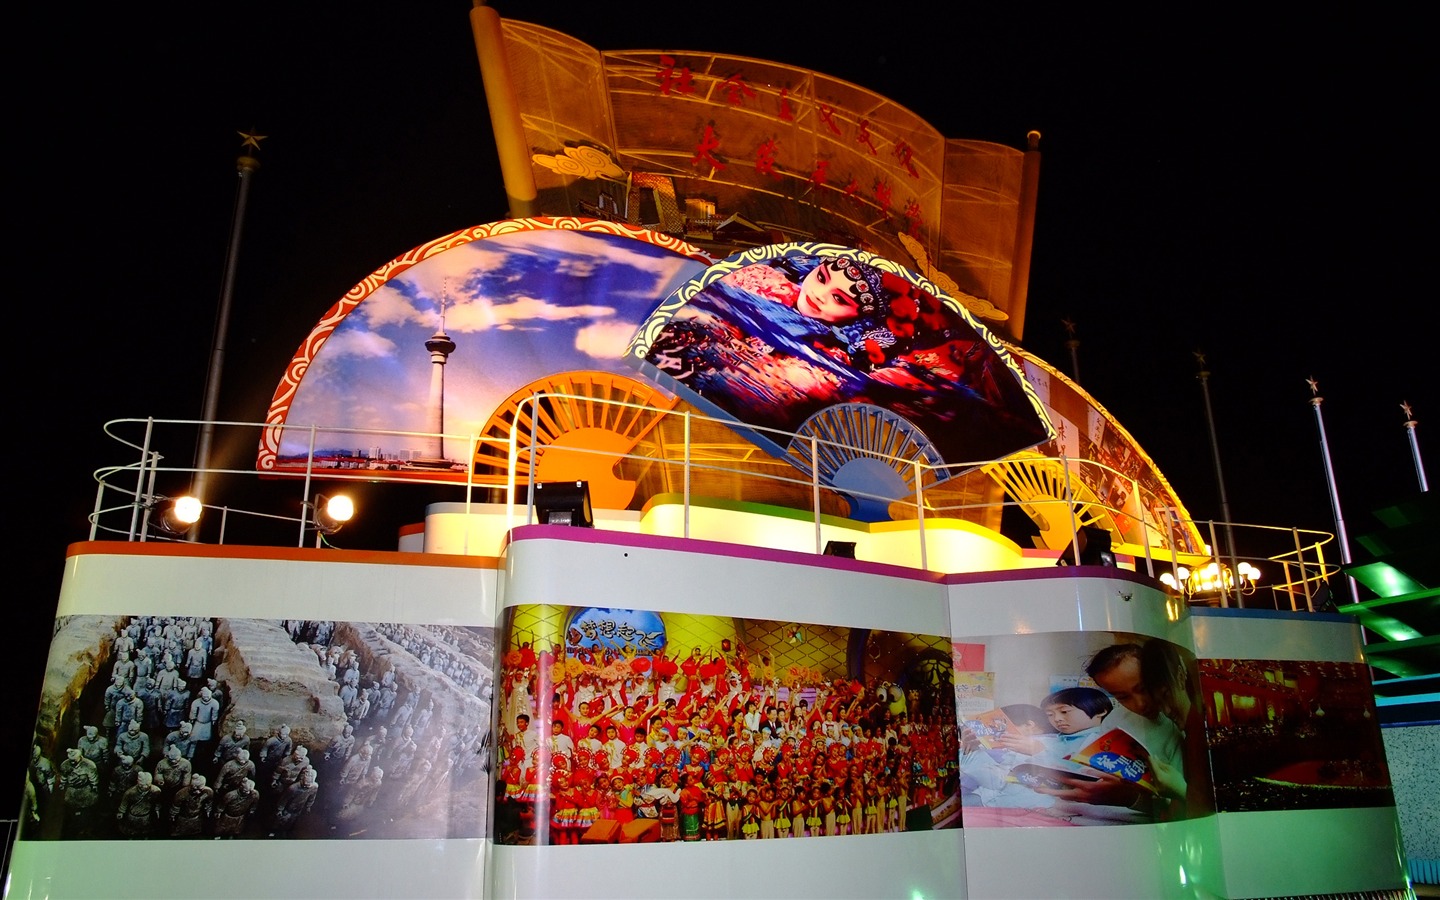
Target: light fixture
x: 563, y: 503
x: 1095, y: 544
x: 175, y: 515
x: 1213, y: 578
x: 331, y: 513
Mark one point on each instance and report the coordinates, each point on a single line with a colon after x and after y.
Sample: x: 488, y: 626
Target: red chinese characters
x: 704, y: 149
x: 680, y: 82
x: 906, y: 154
x: 863, y: 136
x: 883, y: 193
x: 765, y: 158
x: 787, y: 112
x: 912, y: 218
x: 736, y: 90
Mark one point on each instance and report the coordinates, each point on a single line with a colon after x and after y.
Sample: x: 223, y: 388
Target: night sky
x: 1251, y: 187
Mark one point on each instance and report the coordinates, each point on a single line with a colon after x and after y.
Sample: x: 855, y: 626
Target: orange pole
x: 1024, y: 236
x: 514, y: 154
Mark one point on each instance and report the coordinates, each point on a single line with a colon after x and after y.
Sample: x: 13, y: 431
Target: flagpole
x: 1410, y: 424
x: 245, y: 166
x: 1204, y: 377
x: 1340, y: 535
x: 1072, y: 343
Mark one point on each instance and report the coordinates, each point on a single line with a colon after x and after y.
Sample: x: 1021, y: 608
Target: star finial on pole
x: 1314, y: 385
x: 1410, y: 424
x: 1072, y: 343
x: 250, y: 140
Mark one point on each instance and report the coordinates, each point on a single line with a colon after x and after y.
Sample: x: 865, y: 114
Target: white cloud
x: 577, y: 267
x: 605, y: 340
x: 388, y: 306
x: 573, y: 249
x: 354, y: 342
x: 481, y: 314
x: 413, y: 298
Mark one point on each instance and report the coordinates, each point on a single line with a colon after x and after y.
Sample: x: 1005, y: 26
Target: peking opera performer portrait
x: 803, y: 328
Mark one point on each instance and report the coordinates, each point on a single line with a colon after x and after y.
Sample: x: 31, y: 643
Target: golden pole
x: 1024, y: 237
x: 510, y: 144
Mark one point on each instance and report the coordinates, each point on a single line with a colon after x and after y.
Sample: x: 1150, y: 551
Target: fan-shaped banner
x: 779, y: 336
x: 439, y: 339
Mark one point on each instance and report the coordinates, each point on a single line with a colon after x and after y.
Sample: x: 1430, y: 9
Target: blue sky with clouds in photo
x: 519, y: 306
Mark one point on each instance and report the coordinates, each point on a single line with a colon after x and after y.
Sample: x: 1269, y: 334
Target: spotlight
x: 840, y: 549
x: 331, y: 513
x: 564, y: 503
x: 176, y: 515
x: 1094, y: 548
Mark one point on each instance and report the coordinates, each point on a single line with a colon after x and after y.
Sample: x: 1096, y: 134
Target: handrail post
x: 1144, y: 532
x: 1304, y: 581
x: 1070, y: 507
x: 534, y: 460
x: 815, y: 488
x: 685, y: 487
x: 920, y: 515
x: 1176, y: 535
x: 150, y: 492
x: 474, y: 445
x: 140, y: 478
x: 99, y: 504
x: 513, y: 458
x: 1219, y: 570
x: 305, y: 492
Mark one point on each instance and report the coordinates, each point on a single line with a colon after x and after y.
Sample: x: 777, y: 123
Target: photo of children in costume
x: 717, y: 743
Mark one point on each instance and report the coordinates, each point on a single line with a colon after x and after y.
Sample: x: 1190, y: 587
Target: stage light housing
x: 331, y: 513
x: 175, y: 515
x: 563, y: 503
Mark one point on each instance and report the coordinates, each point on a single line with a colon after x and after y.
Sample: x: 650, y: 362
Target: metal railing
x: 128, y: 494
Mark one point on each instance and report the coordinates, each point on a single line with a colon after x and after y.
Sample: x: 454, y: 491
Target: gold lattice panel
x: 686, y: 631
x: 539, y: 625
x: 822, y: 648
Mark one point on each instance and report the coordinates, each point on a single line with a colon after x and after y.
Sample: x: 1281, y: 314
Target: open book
x: 1115, y: 753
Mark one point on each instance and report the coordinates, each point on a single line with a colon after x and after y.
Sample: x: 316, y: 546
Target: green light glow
x: 1398, y: 631
x: 1390, y: 581
x: 1389, y: 628
x: 1384, y: 579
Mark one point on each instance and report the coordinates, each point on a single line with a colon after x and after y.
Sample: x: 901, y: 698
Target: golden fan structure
x: 1038, y: 483
x: 572, y: 426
